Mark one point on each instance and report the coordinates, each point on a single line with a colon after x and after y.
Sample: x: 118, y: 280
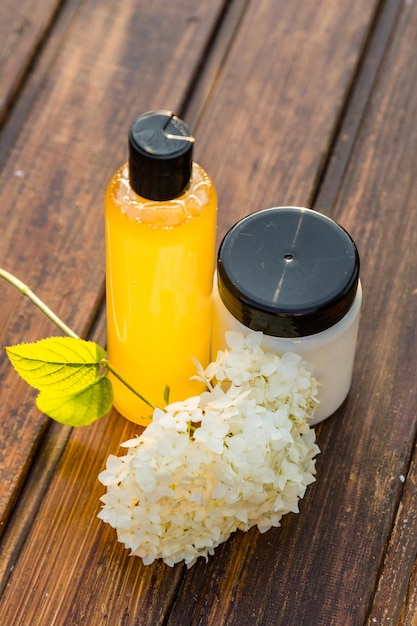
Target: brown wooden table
x: 292, y: 102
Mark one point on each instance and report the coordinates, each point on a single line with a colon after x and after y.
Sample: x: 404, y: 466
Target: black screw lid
x: 160, y: 156
x: 288, y: 271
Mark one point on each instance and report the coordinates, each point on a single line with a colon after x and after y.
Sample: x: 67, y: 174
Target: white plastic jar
x: 293, y: 274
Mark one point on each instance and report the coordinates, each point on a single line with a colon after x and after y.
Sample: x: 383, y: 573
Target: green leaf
x: 57, y: 364
x: 80, y: 408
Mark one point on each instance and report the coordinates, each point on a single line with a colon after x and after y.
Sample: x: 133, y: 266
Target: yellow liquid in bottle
x: 159, y: 275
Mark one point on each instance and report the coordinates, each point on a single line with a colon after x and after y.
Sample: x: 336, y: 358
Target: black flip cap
x: 288, y: 271
x: 160, y: 156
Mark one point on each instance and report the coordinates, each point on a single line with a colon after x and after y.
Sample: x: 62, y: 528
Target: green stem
x: 26, y: 291
x: 110, y: 368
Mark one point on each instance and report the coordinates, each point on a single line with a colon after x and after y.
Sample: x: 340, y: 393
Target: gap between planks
x: 331, y: 176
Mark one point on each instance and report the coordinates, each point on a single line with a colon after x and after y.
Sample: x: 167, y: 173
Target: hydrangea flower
x: 239, y: 455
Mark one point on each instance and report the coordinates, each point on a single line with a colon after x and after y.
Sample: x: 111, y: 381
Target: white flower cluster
x: 239, y: 455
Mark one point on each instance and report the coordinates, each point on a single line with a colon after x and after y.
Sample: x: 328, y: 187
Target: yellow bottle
x: 160, y: 211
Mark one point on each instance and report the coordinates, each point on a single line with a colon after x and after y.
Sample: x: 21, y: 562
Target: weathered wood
x: 23, y: 28
x: 260, y: 155
x: 323, y: 567
x: 270, y: 111
x: 215, y: 57
x: 408, y: 616
x: 111, y: 62
x: 77, y: 573
x: 395, y: 599
x: 391, y: 206
x: 41, y: 471
x: 373, y: 56
x: 377, y: 203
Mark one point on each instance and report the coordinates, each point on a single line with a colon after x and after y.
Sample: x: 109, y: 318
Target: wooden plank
x: 40, y: 474
x: 241, y: 142
x: 326, y: 563
x: 86, y: 575
x: 378, y: 204
x: 23, y: 27
x: 205, y: 80
x: 408, y: 616
x: 274, y: 111
x: 322, y: 567
x: 110, y: 63
x: 395, y: 601
x: 344, y: 141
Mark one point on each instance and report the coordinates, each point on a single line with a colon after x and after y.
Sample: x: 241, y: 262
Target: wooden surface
x: 301, y: 103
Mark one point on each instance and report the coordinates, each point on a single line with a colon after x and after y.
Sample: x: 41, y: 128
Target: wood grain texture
x: 75, y: 572
x: 378, y: 203
x: 256, y: 152
x: 361, y: 90
x: 23, y: 28
x: 408, y: 616
x: 395, y: 598
x: 41, y: 470
x: 324, y: 566
x: 215, y: 57
x: 277, y: 102
x: 112, y: 62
